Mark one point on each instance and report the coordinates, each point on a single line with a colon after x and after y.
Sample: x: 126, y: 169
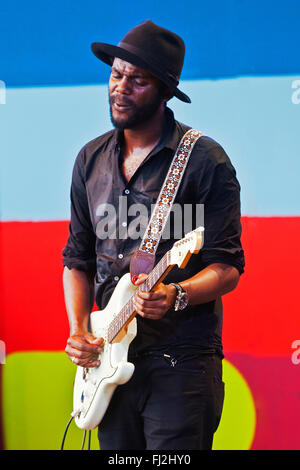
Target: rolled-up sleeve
x: 222, y: 215
x: 79, y: 251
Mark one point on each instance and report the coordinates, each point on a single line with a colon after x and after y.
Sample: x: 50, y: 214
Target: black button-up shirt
x: 104, y: 205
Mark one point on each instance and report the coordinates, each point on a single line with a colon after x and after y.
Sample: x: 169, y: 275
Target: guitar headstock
x: 184, y: 248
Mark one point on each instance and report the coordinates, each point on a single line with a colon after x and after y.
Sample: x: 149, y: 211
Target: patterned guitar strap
x: 143, y: 259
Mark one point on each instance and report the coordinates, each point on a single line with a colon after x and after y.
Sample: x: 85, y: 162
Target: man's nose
x: 124, y: 86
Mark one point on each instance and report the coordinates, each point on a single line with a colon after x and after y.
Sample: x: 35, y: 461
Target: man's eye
x: 115, y: 74
x: 140, y: 81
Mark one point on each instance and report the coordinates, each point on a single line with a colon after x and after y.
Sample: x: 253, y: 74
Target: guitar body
x: 94, y: 387
x: 116, y: 324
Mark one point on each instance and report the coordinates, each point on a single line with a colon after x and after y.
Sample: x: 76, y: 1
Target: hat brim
x: 107, y: 52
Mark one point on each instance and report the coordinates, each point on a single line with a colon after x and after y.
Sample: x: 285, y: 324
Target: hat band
x: 168, y: 77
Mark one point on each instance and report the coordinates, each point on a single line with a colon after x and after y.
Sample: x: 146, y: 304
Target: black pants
x: 172, y: 402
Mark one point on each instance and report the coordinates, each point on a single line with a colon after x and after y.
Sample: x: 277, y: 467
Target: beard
x: 135, y: 115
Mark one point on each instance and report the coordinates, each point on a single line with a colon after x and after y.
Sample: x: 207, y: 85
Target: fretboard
x: 128, y: 310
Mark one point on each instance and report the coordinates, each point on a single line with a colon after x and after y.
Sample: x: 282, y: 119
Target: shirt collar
x: 169, y: 138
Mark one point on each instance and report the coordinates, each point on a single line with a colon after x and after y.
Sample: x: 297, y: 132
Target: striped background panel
x: 242, y: 71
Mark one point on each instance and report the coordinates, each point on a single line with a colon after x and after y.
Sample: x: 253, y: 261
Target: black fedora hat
x: 151, y: 47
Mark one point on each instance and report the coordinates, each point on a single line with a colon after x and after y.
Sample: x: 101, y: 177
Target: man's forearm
x: 79, y: 298
x: 210, y: 283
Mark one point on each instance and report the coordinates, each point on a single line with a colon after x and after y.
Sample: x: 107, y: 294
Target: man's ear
x: 168, y: 94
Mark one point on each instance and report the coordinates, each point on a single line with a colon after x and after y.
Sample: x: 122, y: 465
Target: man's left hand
x: 155, y: 304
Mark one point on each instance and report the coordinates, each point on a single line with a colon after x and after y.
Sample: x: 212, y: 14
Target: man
x: 175, y: 396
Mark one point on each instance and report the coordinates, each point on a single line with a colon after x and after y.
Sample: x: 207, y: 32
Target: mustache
x: 120, y: 100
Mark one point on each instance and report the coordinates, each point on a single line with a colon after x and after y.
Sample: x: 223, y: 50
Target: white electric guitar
x: 116, y: 324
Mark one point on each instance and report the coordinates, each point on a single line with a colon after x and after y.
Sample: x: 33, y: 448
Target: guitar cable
x: 84, y: 435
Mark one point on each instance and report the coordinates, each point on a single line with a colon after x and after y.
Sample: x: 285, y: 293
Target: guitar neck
x: 128, y: 312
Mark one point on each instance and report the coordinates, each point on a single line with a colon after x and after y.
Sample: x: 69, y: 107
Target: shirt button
x: 124, y: 224
x: 127, y: 191
x: 116, y: 278
x: 120, y: 256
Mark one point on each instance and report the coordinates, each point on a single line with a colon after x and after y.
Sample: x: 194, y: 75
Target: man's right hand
x: 83, y: 349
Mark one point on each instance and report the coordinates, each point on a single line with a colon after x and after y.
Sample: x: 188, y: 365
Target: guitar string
x: 120, y: 319
x: 128, y: 309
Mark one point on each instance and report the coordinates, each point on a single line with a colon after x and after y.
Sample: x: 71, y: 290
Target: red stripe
x: 33, y: 305
x: 260, y: 316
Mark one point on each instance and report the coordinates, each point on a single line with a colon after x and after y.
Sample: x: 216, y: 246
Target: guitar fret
x: 128, y: 309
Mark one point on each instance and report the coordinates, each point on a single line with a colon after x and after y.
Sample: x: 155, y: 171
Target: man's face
x: 134, y: 95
